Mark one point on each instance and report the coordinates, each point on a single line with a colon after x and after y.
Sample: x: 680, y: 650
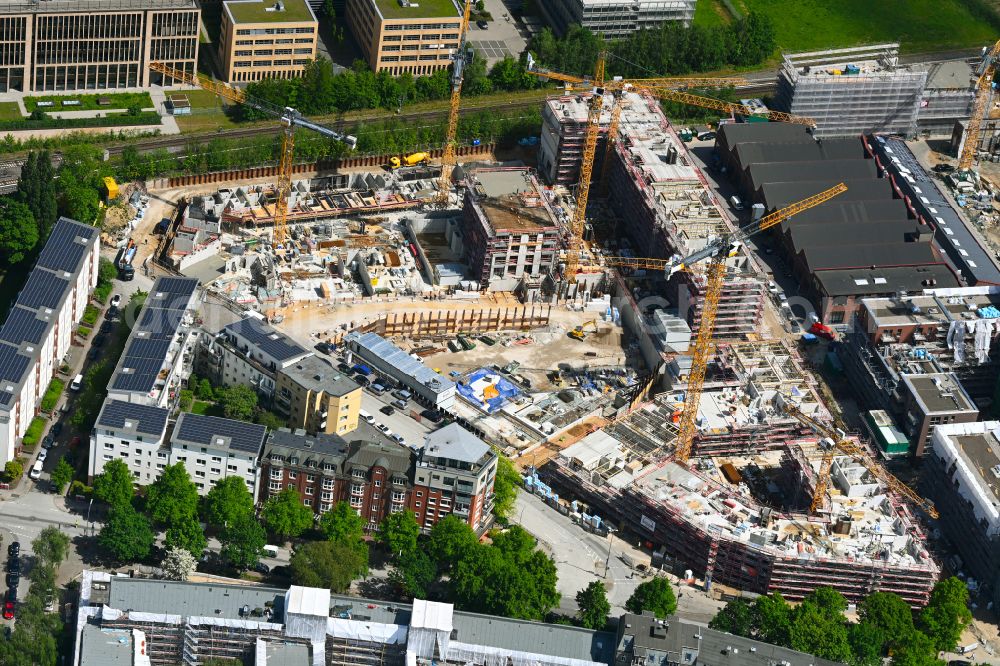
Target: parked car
x: 116, y: 301
x: 93, y: 354
x: 944, y: 168
x: 99, y: 341
x: 48, y: 441
x: 362, y: 380
x: 399, y: 404
x: 383, y: 427
x: 14, y: 565
x: 262, y: 568
x: 14, y: 549
x: 387, y: 410
x: 13, y: 579
x: 43, y: 454
x: 56, y: 428
x: 482, y: 25
x: 343, y: 367
x: 706, y: 136
x: 8, y: 610
x: 432, y: 415
x: 323, y: 348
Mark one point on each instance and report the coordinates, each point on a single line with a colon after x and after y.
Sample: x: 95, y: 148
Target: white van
x: 737, y: 202
x: 36, y: 470
x: 271, y: 551
x: 77, y: 383
x: 366, y: 416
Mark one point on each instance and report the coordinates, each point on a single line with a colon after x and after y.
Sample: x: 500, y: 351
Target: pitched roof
x: 748, y: 153
x: 854, y: 281
x: 847, y: 233
x: 865, y: 255
x: 732, y: 134
x: 455, y: 443
x: 219, y: 432
x: 266, y: 339
x: 131, y: 417
x: 841, y: 210
x: 778, y: 195
x: 835, y: 171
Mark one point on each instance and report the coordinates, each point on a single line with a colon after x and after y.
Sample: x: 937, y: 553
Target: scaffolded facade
x: 614, y: 19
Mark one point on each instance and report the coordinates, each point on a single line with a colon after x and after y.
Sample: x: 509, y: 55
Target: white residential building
x: 39, y: 329
x: 133, y: 433
x: 213, y: 448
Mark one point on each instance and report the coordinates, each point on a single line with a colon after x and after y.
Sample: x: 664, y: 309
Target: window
x: 200, y: 474
x: 309, y: 490
x: 376, y: 496
x: 216, y: 459
x: 292, y: 474
x: 161, y: 455
x: 107, y: 457
x: 310, y: 478
x: 124, y: 454
x: 326, y: 496
x: 109, y: 446
x: 160, y: 466
x: 307, y: 502
x: 290, y: 486
x: 216, y: 470
x: 378, y: 483
x: 231, y: 468
x: 418, y: 505
x: 200, y: 461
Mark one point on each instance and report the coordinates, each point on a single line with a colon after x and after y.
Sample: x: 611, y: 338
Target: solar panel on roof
x: 23, y: 325
x: 67, y: 246
x: 145, y: 418
x: 137, y: 374
x: 12, y: 363
x: 159, y: 322
x: 43, y: 290
x: 266, y: 339
x: 213, y: 430
x: 142, y: 348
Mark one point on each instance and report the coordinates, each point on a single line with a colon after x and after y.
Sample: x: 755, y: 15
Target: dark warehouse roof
x: 788, y: 172
x: 779, y: 195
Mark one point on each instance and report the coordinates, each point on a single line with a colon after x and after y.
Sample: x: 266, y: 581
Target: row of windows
x: 417, y: 47
x: 276, y: 31
x: 397, y: 27
x: 411, y: 58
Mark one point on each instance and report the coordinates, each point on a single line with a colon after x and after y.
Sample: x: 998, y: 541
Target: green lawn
x: 206, y: 113
x: 89, y: 102
x: 918, y: 25
x: 206, y: 408
x: 9, y: 111
x: 425, y: 9
x: 52, y: 394
x: 256, y: 11
x: 711, y: 13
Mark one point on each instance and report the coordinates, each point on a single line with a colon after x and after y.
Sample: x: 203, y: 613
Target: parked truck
x: 414, y: 159
x: 123, y: 262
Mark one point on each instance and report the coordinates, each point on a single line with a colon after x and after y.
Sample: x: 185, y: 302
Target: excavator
x: 578, y: 332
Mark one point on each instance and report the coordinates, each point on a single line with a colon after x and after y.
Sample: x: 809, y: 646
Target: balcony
x: 461, y: 510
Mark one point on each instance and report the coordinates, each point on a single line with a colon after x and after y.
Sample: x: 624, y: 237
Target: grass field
x: 9, y: 111
x: 89, y: 102
x: 206, y: 113
x: 918, y: 25
x: 710, y: 13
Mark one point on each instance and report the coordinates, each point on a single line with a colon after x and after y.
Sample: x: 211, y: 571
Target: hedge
x: 83, y: 331
x: 110, y: 120
x: 34, y: 433
x: 89, y: 102
x: 52, y: 394
x: 90, y: 315
x: 102, y: 291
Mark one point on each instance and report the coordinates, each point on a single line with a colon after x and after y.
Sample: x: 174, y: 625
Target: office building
x: 366, y: 469
x: 248, y: 352
x: 930, y: 400
x: 564, y: 129
x: 38, y: 331
x: 644, y: 640
x: 132, y: 433
x: 962, y: 477
x: 947, y: 98
x: 184, y: 622
x: 852, y: 91
x: 426, y: 386
x: 614, y: 19
x: 512, y: 236
x: 83, y: 45
x: 213, y: 448
x: 316, y: 397
x: 399, y: 36
x: 456, y: 470
x: 266, y: 39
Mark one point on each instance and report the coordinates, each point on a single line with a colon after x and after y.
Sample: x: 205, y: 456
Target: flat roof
x: 264, y: 11
x: 940, y: 393
x: 506, y: 215
x: 392, y: 9
x: 81, y: 6
x: 983, y: 451
x: 266, y: 338
x: 318, y: 374
x: 106, y: 647
x: 883, y: 280
x: 455, y: 443
x: 376, y: 345
x: 219, y: 433
x: 133, y: 418
x: 192, y: 599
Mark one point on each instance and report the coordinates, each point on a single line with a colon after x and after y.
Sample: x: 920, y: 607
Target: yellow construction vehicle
x: 457, y: 72
x: 288, y: 116
x: 984, y: 90
x: 834, y: 442
x: 409, y: 160
x: 718, y: 250
x: 578, y: 332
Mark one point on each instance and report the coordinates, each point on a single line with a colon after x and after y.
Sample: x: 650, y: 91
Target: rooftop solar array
x: 267, y: 340
x: 219, y: 432
x: 149, y: 343
x: 405, y: 364
x: 131, y: 416
x: 34, y: 313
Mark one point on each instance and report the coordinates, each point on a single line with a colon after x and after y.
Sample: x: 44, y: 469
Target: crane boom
x: 975, y: 127
x: 726, y: 107
x: 839, y: 443
x: 290, y: 119
x: 457, y: 73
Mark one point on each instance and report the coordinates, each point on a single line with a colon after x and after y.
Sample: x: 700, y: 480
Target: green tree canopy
x: 33, y: 637
x: 285, y: 516
x: 36, y: 188
x: 328, y: 565
x: 946, y: 614
x: 414, y: 575
x: 653, y: 595
x: 227, y: 501
x: 866, y: 641
x: 889, y: 614
x: 342, y: 524
x: 205, y: 390
x: 238, y: 402
x: 62, y: 474
x: 51, y: 546
x: 186, y: 534
x: 114, y: 485
x: 817, y: 629
x: 917, y: 650
x: 270, y: 420
x: 243, y: 542
x: 80, y: 203
x: 172, y: 499
x: 736, y: 617
x: 127, y: 535
x: 450, y: 540
x: 772, y: 619
x: 398, y: 534
x: 18, y: 231
x: 594, y: 605
x: 505, y: 487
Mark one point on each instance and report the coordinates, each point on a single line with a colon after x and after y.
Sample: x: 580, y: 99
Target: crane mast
x: 984, y: 87
x: 457, y: 73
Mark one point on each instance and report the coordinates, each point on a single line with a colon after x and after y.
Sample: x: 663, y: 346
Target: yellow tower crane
x: 718, y: 250
x: 984, y: 88
x: 457, y: 72
x: 835, y: 442
x: 290, y: 119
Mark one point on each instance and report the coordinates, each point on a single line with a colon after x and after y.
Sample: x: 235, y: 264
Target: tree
x: 328, y: 565
x: 414, y: 575
x: 226, y: 502
x: 186, y: 534
x: 43, y: 581
x: 342, y: 524
x: 178, y: 564
x: 450, y: 540
x: 114, y: 485
x: 62, y: 474
x: 80, y: 203
x: 398, y: 534
x: 772, y: 620
x: 505, y: 487
x: 654, y: 595
x: 285, y: 516
x: 270, y: 420
x: 51, y: 546
x: 18, y: 231
x: 173, y: 498
x: 13, y: 470
x: 238, y: 402
x: 127, y: 535
x: 243, y: 542
x: 106, y: 271
x: 594, y: 605
x: 32, y: 641
x: 186, y: 400
x: 866, y: 641
x: 917, y: 649
x: 736, y: 617
x: 36, y: 189
x: 204, y: 390
x: 946, y: 614
x: 889, y: 614
x: 818, y: 630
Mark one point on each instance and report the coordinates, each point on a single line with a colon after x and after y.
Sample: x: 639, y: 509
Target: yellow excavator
x: 578, y: 332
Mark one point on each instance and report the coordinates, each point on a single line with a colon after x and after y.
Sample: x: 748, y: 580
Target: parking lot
x: 491, y: 48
